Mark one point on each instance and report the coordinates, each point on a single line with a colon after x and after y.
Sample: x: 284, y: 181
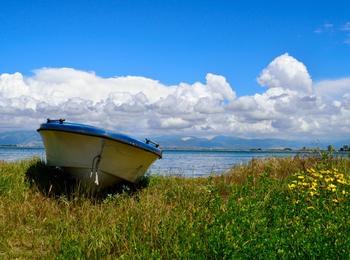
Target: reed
x: 249, y: 212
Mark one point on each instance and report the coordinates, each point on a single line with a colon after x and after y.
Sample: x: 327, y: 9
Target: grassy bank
x: 290, y: 207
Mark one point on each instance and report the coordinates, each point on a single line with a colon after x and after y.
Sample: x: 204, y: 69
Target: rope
x: 95, y: 164
x: 94, y: 168
x: 96, y: 174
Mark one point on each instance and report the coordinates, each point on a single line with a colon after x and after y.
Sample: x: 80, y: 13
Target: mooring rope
x: 95, y: 164
x: 94, y: 168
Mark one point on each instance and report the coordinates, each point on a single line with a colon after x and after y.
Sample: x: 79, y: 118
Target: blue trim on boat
x: 76, y: 128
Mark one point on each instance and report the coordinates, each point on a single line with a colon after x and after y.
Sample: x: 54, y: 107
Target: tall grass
x: 249, y: 212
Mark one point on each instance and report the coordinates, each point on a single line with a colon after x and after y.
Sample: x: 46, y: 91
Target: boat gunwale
x: 155, y: 151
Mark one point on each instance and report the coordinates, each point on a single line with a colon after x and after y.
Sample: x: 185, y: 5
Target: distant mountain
x: 230, y: 142
x: 20, y: 138
x: 339, y: 144
x: 32, y: 138
x: 225, y: 142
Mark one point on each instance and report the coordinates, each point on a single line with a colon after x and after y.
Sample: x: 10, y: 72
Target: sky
x: 204, y: 68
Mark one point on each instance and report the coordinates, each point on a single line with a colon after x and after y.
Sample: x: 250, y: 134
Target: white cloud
x: 333, y: 89
x: 346, y: 27
x: 347, y: 41
x: 291, y: 107
x: 287, y: 73
x: 170, y: 123
x: 326, y: 27
x: 329, y: 28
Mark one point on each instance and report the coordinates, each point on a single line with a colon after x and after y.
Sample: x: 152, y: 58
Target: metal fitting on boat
x: 61, y: 120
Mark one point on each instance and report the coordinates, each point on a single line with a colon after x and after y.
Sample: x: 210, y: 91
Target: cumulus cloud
x: 288, y: 73
x: 292, y: 106
x: 333, y: 89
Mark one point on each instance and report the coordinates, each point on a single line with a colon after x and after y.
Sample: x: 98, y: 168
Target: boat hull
x: 95, y: 160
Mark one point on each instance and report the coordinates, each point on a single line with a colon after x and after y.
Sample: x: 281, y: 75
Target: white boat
x: 96, y: 156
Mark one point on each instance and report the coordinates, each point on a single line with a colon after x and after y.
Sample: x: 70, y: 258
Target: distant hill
x: 230, y: 142
x: 21, y: 138
x: 32, y: 138
x: 225, y: 142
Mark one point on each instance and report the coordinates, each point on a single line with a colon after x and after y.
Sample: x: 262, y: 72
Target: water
x: 204, y: 163
x: 184, y: 163
x: 12, y: 153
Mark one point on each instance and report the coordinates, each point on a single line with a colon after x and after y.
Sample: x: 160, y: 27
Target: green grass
x: 249, y: 213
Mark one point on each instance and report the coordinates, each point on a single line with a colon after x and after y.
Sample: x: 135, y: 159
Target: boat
x: 95, y: 156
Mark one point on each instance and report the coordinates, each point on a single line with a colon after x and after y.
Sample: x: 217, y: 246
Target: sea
x: 188, y: 163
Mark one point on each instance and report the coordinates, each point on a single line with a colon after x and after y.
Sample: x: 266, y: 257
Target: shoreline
x: 174, y: 149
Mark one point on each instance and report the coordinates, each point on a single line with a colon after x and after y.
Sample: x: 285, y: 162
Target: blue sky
x: 240, y: 68
x: 175, y: 41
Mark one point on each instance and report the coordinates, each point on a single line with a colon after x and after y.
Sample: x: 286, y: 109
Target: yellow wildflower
x: 332, y: 187
x: 313, y: 187
x: 341, y: 181
x: 340, y: 175
x: 291, y: 186
x: 311, y: 193
x: 328, y: 179
x: 296, y: 201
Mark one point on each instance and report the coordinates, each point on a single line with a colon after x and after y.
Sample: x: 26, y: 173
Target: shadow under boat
x: 55, y: 182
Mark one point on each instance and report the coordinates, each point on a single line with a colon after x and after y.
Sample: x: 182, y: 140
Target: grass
x: 254, y: 211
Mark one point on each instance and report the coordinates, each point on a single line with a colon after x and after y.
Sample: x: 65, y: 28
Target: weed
x: 264, y: 209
